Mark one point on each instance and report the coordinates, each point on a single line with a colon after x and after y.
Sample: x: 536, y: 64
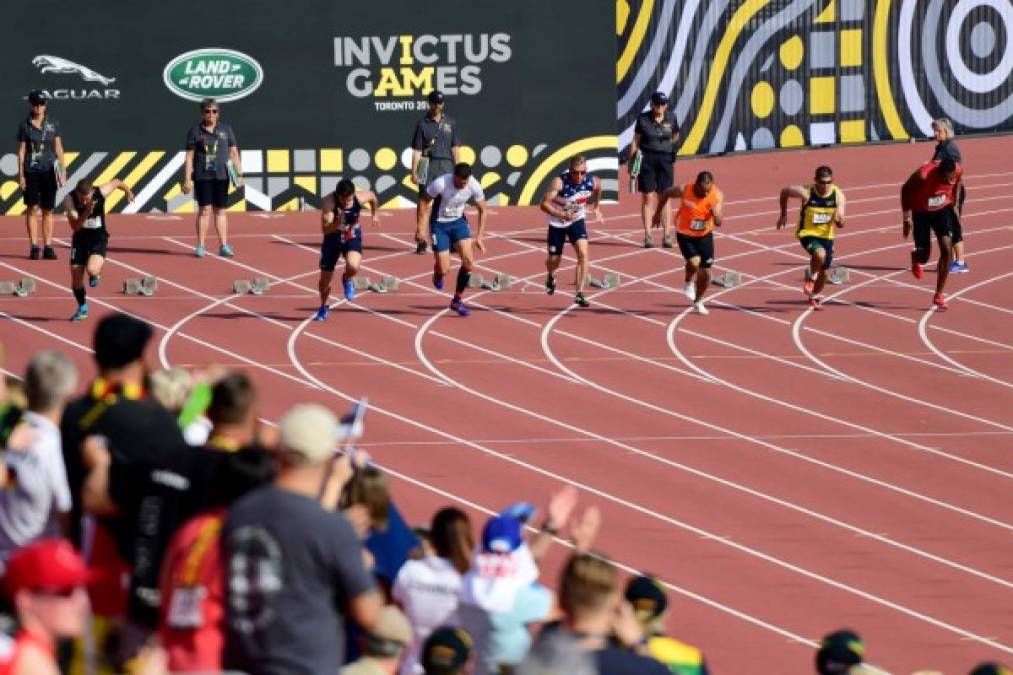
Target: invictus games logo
x: 397, y: 70
x: 57, y: 65
x: 223, y: 74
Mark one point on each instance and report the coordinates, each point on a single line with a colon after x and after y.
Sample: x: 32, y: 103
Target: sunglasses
x: 213, y: 111
x: 826, y: 182
x: 575, y: 172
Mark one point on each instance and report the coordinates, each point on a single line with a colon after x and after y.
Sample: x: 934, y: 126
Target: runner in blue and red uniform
x: 929, y: 201
x: 339, y: 220
x: 566, y: 204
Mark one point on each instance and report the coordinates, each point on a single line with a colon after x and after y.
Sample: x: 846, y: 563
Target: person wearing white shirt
x: 442, y: 211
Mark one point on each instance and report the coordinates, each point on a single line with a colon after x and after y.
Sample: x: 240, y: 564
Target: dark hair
x: 462, y: 170
x: 824, y: 171
x: 232, y: 399
x: 371, y: 488
x: 947, y: 165
x: 704, y: 177
x: 345, y: 188
x: 452, y: 539
x: 120, y: 340
x: 84, y: 186
x: 243, y: 471
x: 207, y: 103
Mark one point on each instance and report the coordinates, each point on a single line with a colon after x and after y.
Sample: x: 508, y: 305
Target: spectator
x: 33, y: 473
x: 649, y: 603
x: 294, y: 565
x: 839, y: 652
x: 991, y: 668
x: 447, y: 651
x: 946, y: 148
x: 428, y: 589
x: 45, y: 581
x: 383, y: 647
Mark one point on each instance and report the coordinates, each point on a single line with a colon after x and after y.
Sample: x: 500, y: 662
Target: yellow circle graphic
x: 516, y: 155
x: 792, y: 137
x: 792, y: 51
x: 466, y: 154
x: 385, y: 159
x: 762, y: 99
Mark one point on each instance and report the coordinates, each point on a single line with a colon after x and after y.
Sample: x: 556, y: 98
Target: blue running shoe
x: 437, y: 281
x: 958, y: 267
x: 458, y: 306
x: 81, y: 314
x: 199, y: 251
x: 322, y: 313
x: 349, y: 290
x: 93, y: 280
x: 225, y: 251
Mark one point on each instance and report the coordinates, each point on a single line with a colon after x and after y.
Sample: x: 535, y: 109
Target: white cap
x: 309, y: 432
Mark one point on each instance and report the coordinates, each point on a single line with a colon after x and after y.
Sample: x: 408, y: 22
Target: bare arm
x: 328, y: 224
x: 786, y: 193
x: 116, y: 184
x: 455, y: 152
x: 234, y: 156
x: 425, y: 208
x: 21, y: 164
x: 596, y: 200
x: 482, y: 214
x: 188, y: 171
x: 416, y: 157
x: 58, y: 149
x: 547, y: 206
x: 674, y: 191
x: 368, y: 197
x: 717, y: 213
x: 365, y: 609
x: 75, y: 219
x: 95, y: 490
x: 839, y: 215
x: 633, y: 150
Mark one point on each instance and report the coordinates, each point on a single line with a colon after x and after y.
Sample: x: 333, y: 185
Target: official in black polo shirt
x: 654, y: 135
x: 39, y: 148
x: 210, y: 146
x: 435, y: 139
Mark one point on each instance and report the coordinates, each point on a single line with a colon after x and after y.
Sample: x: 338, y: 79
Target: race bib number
x: 936, y: 201
x: 185, y: 607
x: 698, y: 225
x: 348, y: 232
x: 821, y: 218
x: 93, y: 223
x: 452, y: 210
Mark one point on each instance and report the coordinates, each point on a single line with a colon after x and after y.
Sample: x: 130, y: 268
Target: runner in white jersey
x: 566, y: 204
x: 442, y: 211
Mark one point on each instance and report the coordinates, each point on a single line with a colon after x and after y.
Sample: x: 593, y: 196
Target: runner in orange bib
x: 699, y: 213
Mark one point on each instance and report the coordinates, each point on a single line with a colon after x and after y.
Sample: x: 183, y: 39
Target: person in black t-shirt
x: 946, y: 148
x: 654, y: 136
x: 436, y: 148
x: 85, y: 207
x: 40, y: 146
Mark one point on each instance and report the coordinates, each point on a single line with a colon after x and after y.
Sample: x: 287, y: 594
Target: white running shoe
x: 700, y: 308
x: 689, y: 290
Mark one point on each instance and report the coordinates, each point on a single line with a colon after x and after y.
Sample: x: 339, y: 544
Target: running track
x: 785, y: 473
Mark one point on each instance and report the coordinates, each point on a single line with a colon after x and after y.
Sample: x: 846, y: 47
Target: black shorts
x: 40, y: 190
x: 656, y: 172
x: 86, y: 243
x: 333, y: 247
x: 943, y: 223
x: 211, y: 192
x: 697, y: 247
x: 811, y: 244
x: 557, y: 236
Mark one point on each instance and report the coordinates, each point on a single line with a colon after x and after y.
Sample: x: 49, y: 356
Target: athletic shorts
x: 211, y: 192
x: 86, y: 243
x: 943, y: 223
x: 656, y: 172
x: 447, y: 233
x: 438, y: 166
x: 333, y: 248
x: 812, y: 244
x: 40, y: 189
x: 557, y: 236
x: 697, y: 247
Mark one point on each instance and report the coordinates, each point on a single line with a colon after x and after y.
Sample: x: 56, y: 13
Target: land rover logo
x: 222, y: 74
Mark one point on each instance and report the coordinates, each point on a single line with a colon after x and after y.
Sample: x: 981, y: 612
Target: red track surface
x: 786, y: 473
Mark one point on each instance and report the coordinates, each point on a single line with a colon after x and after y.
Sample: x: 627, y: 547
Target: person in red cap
x: 45, y: 581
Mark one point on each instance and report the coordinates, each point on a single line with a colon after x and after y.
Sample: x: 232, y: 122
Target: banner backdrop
x: 315, y: 91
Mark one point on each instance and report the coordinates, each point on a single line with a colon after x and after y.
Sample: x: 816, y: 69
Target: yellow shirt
x: 817, y: 216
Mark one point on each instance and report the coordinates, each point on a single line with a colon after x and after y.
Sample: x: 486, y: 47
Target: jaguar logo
x: 47, y: 63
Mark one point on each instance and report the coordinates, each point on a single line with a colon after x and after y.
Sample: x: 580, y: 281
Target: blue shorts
x: 447, y: 233
x: 558, y: 235
x: 812, y: 244
x: 333, y: 248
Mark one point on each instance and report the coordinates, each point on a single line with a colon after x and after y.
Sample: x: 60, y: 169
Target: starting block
x: 255, y: 286
x: 610, y: 280
x: 386, y: 284
x: 729, y: 279
x: 20, y: 288
x: 500, y: 282
x: 144, y: 286
x: 839, y: 275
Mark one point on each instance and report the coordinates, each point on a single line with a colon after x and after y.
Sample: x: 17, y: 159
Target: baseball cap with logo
x: 659, y: 97
x: 838, y: 652
x: 446, y: 651
x: 647, y: 597
x: 309, y: 433
x: 47, y: 565
x: 36, y: 96
x: 435, y: 96
x: 502, y: 534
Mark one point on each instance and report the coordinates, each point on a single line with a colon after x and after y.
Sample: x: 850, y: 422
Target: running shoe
x: 199, y: 251
x: 225, y: 251
x: 437, y: 281
x: 701, y: 308
x: 550, y: 284
x: 648, y: 241
x: 81, y: 314
x: 322, y: 313
x: 93, y: 280
x: 666, y: 241
x: 816, y: 303
x: 458, y: 306
x: 689, y: 290
x: 958, y: 267
x: 34, y: 253
x: 939, y: 300
x: 349, y: 287
x: 916, y: 267
x: 809, y: 286
x: 48, y: 253
x: 581, y: 301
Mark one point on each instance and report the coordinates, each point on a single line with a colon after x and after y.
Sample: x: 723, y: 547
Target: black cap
x: 991, y: 668
x: 445, y: 651
x: 435, y: 96
x: 120, y: 339
x: 838, y: 652
x: 647, y: 597
x: 36, y: 96
x: 659, y: 97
